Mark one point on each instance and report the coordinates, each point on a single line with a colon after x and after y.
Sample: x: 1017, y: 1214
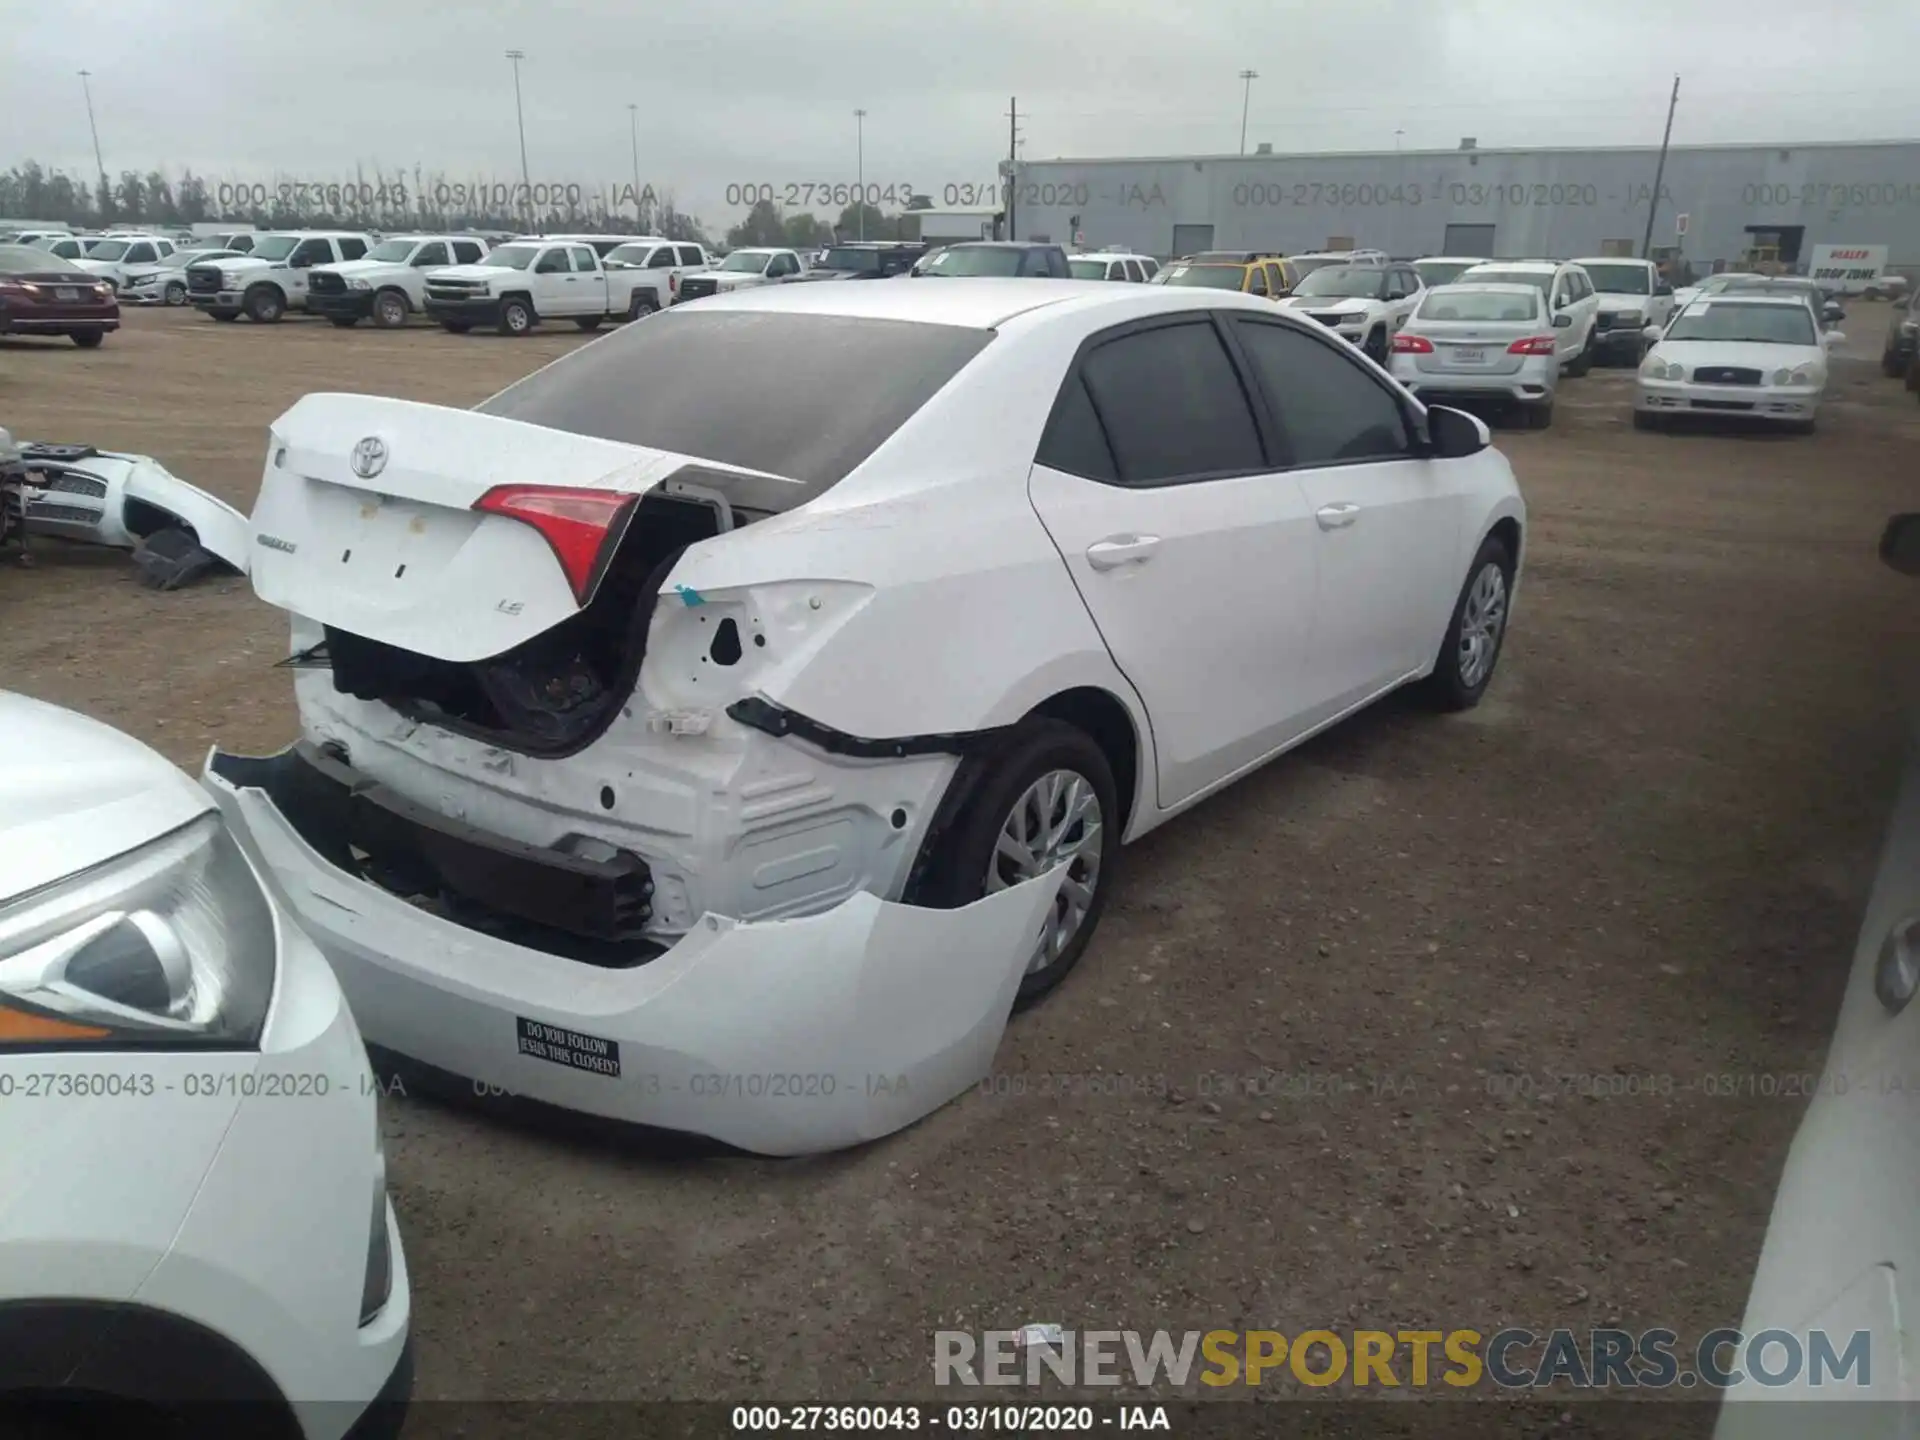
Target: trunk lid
x: 365, y: 521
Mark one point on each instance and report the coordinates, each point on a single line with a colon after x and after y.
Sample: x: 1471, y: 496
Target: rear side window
x: 1074, y: 441
x: 825, y: 390
x: 1172, y: 405
x: 662, y: 258
x: 351, y: 249
x: 465, y: 252
x: 434, y: 254
x: 1330, y: 410
x: 690, y: 255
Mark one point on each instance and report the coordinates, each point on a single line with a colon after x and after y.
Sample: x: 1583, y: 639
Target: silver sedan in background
x: 1490, y: 342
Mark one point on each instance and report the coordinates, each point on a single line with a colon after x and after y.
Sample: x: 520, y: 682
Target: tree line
x: 766, y: 224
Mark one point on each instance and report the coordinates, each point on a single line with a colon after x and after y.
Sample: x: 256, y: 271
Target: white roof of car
x: 980, y: 303
x: 1519, y: 265
x: 1494, y: 287
x: 1754, y: 297
x: 1612, y: 260
x: 1453, y: 260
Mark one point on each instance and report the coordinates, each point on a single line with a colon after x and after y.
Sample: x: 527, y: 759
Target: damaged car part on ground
x: 741, y: 773
x: 176, y: 531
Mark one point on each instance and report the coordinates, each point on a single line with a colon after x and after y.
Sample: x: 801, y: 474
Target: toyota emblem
x: 369, y: 457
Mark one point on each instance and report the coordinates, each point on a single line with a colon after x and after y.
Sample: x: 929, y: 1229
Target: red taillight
x: 1536, y: 345
x: 1407, y: 344
x: 673, y: 282
x: 582, y: 526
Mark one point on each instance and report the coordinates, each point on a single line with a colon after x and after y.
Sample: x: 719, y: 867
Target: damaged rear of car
x: 727, y: 769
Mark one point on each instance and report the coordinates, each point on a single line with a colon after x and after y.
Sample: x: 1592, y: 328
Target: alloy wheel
x: 1056, y: 821
x: 1482, y: 619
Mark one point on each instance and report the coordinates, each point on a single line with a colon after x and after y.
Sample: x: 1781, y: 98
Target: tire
x: 1539, y: 417
x: 588, y: 322
x: 1583, y: 362
x: 1375, y: 348
x: 516, y: 317
x: 1462, y: 673
x: 641, y: 306
x: 345, y: 322
x: 1643, y: 421
x: 175, y: 293
x: 88, y: 339
x: 1891, y: 365
x: 963, y: 858
x: 455, y: 327
x: 265, y: 305
x: 391, y: 309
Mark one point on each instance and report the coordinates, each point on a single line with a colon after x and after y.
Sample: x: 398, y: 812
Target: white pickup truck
x: 661, y: 265
x: 517, y: 286
x: 272, y: 278
x: 391, y: 282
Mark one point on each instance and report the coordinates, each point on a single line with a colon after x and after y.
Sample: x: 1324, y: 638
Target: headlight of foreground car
x: 170, y: 946
x: 230, y: 279
x: 1653, y: 369
x: 357, y: 284
x: 1799, y: 375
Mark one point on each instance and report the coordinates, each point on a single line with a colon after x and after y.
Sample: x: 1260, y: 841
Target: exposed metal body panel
x: 1540, y: 202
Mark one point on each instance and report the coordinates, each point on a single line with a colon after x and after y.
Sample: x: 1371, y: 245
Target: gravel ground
x: 1367, y: 979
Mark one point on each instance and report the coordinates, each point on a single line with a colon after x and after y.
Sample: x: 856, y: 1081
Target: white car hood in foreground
x: 1762, y: 357
x: 76, y: 793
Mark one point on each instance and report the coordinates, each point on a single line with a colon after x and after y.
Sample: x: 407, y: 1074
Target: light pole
x: 87, y: 90
x: 860, y: 168
x: 1246, y: 100
x: 520, y: 118
x: 633, y: 133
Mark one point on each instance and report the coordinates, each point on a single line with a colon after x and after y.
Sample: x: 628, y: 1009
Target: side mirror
x: 1452, y: 434
x: 1900, y: 544
x: 1563, y: 321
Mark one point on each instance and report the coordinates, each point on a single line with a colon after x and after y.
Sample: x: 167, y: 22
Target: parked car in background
x: 601, y: 245
x: 1890, y: 283
x: 743, y: 269
x: 389, y: 283
x: 174, y: 1239
x: 867, y: 260
x: 67, y: 247
x: 167, y: 284
x: 1742, y: 355
x: 1058, y: 517
x: 1903, y: 338
x: 1108, y: 265
x: 116, y: 256
x: 1269, y: 279
x: 1481, y: 342
x: 1027, y: 259
x: 1307, y: 262
x: 520, y: 284
x: 239, y: 241
x: 1826, y: 305
x: 1571, y: 301
x: 1632, y: 295
x: 660, y: 267
x: 272, y: 278
x: 1365, y: 304
x: 1444, y: 269
x: 1841, y: 1257
x: 43, y: 294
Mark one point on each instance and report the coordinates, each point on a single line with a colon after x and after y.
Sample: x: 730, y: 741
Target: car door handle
x: 1337, y: 517
x: 1118, y: 550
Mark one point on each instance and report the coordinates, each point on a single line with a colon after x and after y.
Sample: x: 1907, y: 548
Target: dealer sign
x: 1843, y: 265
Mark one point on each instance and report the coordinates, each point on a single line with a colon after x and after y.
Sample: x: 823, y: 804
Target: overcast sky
x: 764, y: 90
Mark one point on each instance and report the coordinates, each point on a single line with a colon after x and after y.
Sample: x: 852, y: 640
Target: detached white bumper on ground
x: 784, y: 1037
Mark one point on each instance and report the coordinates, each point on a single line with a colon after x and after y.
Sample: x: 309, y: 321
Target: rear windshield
x: 804, y: 396
x: 849, y: 259
x: 1464, y: 304
x: 1209, y: 277
x: 1442, y: 272
x: 1088, y: 269
x: 1363, y: 282
x: 970, y: 260
x: 1620, y: 279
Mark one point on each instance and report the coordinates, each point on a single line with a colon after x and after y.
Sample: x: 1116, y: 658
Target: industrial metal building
x: 1718, y: 203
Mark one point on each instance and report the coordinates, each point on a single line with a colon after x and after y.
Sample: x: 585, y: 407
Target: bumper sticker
x: 568, y: 1047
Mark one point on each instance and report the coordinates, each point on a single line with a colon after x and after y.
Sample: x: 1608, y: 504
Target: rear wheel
x: 1047, y: 799
x: 640, y: 306
x: 265, y: 304
x: 1471, y: 649
x: 87, y: 339
x: 175, y: 293
x: 1583, y: 362
x: 516, y: 317
x: 390, y: 310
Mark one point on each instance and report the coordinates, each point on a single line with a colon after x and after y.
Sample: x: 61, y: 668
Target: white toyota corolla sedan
x: 734, y: 769
x: 1745, y: 356
x: 193, y: 1201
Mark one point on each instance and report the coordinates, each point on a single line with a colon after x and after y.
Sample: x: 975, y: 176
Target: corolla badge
x: 369, y: 457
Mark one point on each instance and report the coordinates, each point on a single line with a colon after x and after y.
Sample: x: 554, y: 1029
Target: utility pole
x: 860, y: 169
x: 1013, y: 151
x: 100, y: 164
x: 1660, y: 172
x: 1246, y: 100
x: 633, y: 133
x: 520, y: 118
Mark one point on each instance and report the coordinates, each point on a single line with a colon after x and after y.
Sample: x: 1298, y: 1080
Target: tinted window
x: 663, y: 258
x: 310, y: 252
x: 690, y: 255
x: 140, y: 252
x: 585, y: 262
x: 1135, y: 272
x: 1075, y: 441
x: 1328, y: 407
x: 434, y: 254
x: 1172, y: 404
x: 465, y: 252
x: 825, y: 390
x: 352, y: 249
x: 551, y: 262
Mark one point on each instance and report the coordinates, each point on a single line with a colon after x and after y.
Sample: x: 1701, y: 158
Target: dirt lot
x: 1644, y: 856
